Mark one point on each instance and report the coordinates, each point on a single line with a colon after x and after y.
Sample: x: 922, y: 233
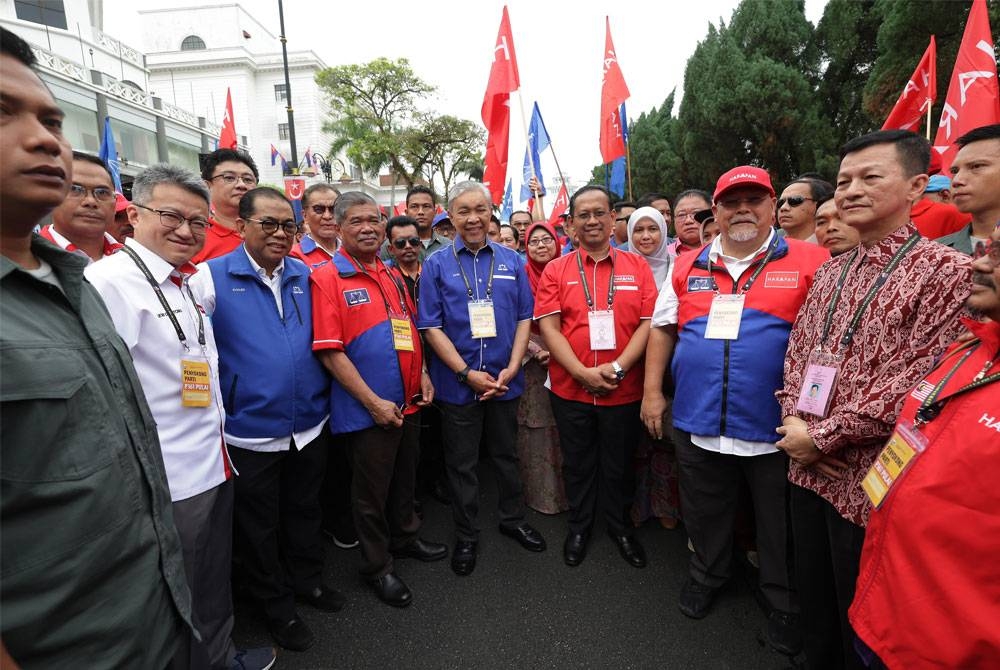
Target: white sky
x: 449, y: 43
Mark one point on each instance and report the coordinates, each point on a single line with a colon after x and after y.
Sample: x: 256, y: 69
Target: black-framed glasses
x: 539, y: 241
x: 100, y: 193
x: 586, y: 216
x: 229, y: 179
x: 318, y: 210
x: 270, y: 226
x: 402, y: 242
x: 733, y: 203
x: 793, y: 200
x: 173, y: 220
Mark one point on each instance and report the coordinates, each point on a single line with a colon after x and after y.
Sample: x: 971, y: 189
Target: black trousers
x: 430, y: 468
x: 278, y: 523
x: 463, y: 428
x: 598, y: 444
x: 827, y: 560
x: 335, y: 493
x: 384, y: 464
x: 710, y: 497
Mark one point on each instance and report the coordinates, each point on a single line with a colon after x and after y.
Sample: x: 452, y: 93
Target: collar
x: 880, y: 253
x: 220, y: 230
x: 346, y: 267
x: 308, y: 244
x: 587, y: 258
x: 459, y: 245
x: 261, y: 272
x: 111, y: 245
x: 715, y: 250
x: 987, y: 331
x: 159, y: 268
x: 62, y: 263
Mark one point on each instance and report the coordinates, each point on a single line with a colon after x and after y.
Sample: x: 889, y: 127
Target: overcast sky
x: 449, y: 43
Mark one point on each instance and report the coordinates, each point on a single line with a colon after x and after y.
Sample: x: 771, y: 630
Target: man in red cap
x: 120, y: 226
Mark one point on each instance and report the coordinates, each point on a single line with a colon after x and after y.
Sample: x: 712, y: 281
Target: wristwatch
x: 463, y: 374
x: 619, y: 370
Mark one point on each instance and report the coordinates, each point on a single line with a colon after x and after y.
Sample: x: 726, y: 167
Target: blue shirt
x: 444, y: 304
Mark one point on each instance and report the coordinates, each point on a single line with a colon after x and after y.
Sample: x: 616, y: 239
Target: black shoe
x: 323, y: 598
x: 526, y: 536
x: 422, y: 550
x: 630, y: 549
x: 783, y: 632
x: 391, y: 590
x: 575, y: 548
x: 696, y: 599
x: 293, y: 635
x: 463, y: 558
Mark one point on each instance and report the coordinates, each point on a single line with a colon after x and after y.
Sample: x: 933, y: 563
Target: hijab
x: 535, y: 268
x: 659, y: 261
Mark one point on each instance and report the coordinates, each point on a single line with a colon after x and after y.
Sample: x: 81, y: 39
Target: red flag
x: 559, y: 206
x: 614, y: 92
x: 400, y: 209
x: 227, y: 138
x: 496, y: 108
x: 919, y: 93
x: 973, y: 95
x: 294, y: 187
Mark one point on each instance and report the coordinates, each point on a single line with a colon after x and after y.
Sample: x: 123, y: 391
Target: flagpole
x: 531, y: 158
x: 929, y: 106
x: 628, y: 169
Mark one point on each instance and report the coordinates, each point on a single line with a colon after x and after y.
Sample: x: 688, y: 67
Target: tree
x: 447, y: 146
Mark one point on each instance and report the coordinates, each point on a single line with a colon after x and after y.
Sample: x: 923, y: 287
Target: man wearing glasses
x: 258, y: 300
x: 80, y: 223
x: 229, y: 174
x: 320, y: 242
x: 420, y: 207
x: 797, y: 207
x: 145, y: 287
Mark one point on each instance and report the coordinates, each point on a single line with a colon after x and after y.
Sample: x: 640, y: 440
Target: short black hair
x: 316, y: 188
x: 419, y: 188
x: 520, y: 211
x: 15, y: 47
x: 649, y: 198
x: 213, y: 159
x: 587, y: 189
x: 91, y: 158
x: 822, y: 201
x: 991, y: 132
x: 513, y: 230
x: 704, y: 195
x: 624, y: 203
x: 248, y: 203
x: 399, y: 222
x: 913, y: 150
x: 819, y: 189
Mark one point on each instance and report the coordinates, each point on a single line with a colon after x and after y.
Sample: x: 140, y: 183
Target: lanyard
x: 166, y: 305
x: 933, y: 403
x: 845, y: 341
x: 468, y: 286
x: 756, y: 273
x: 400, y: 290
x: 583, y: 279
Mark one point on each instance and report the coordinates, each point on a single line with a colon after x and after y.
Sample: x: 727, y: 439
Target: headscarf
x: 534, y: 267
x: 659, y: 261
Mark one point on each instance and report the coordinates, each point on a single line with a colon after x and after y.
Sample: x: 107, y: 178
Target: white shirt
x: 65, y: 244
x: 190, y: 437
x: 665, y: 314
x: 203, y: 287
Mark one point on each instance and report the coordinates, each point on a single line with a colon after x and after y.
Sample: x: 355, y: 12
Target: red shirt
x: 928, y: 594
x: 111, y: 245
x: 219, y: 241
x: 560, y: 292
x: 936, y: 219
x: 311, y: 253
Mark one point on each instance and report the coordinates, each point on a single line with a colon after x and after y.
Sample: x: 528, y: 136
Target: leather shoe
x: 783, y: 632
x: 324, y: 598
x: 630, y: 549
x: 463, y: 558
x: 526, y: 536
x: 575, y: 548
x: 696, y: 599
x: 293, y: 635
x: 391, y: 590
x: 422, y: 550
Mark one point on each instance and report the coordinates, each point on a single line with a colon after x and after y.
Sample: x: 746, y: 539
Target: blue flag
x: 109, y: 154
x: 508, y: 202
x: 617, y: 182
x: 538, y: 141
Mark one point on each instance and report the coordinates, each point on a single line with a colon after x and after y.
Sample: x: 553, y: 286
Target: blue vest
x: 272, y: 385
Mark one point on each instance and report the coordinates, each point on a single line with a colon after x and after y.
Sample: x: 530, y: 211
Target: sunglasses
x: 793, y: 200
x: 403, y: 242
x: 319, y: 209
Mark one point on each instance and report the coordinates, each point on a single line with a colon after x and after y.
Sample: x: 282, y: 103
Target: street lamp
x: 327, y: 169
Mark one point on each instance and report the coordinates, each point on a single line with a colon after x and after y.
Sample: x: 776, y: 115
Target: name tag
x: 357, y: 296
x: 905, y: 444
x: 781, y: 280
x: 196, y: 385
x: 698, y: 284
x: 818, y: 384
x: 602, y: 330
x: 482, y: 319
x: 725, y: 316
x: 402, y: 334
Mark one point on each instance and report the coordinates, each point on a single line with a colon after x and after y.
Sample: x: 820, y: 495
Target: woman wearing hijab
x: 655, y: 461
x: 537, y: 440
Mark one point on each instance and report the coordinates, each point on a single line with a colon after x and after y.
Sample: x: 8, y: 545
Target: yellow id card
x: 903, y: 446
x: 402, y: 334
x: 196, y: 385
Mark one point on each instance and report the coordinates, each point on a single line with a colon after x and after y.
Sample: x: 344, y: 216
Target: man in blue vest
x: 277, y: 404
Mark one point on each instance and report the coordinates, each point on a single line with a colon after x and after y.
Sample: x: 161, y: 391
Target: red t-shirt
x: 936, y: 219
x: 219, y: 241
x: 560, y: 292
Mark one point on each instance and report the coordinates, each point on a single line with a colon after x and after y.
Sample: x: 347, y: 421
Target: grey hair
x: 172, y: 175
x: 463, y: 187
x: 348, y: 200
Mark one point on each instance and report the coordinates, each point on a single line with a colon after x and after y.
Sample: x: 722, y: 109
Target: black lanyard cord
x: 163, y: 300
x: 760, y: 268
x: 583, y: 279
x: 468, y: 286
x: 932, y: 405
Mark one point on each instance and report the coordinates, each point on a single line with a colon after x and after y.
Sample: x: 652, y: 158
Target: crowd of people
x: 196, y: 385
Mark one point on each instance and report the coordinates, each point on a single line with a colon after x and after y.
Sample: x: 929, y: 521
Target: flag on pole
x: 973, y: 95
x: 920, y: 92
x: 508, y: 201
x: 307, y: 158
x: 400, y: 208
x: 227, y: 138
x: 504, y: 78
x: 617, y: 182
x: 275, y: 154
x: 109, y: 154
x: 538, y: 141
x: 560, y: 206
x: 614, y: 92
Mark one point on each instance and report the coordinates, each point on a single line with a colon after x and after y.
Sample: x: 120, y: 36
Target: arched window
x: 192, y: 43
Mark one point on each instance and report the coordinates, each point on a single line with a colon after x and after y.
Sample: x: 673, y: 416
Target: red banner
x: 918, y: 95
x: 227, y: 138
x: 504, y: 78
x: 560, y: 206
x: 614, y: 92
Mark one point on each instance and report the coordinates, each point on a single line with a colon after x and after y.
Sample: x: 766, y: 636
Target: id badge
x: 402, y: 334
x: 895, y: 458
x: 196, y: 385
x: 482, y: 319
x: 818, y: 384
x: 724, y: 317
x: 602, y: 330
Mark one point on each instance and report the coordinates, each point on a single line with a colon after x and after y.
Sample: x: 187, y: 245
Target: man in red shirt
x: 318, y: 246
x: 229, y: 174
x: 593, y: 308
x: 80, y: 223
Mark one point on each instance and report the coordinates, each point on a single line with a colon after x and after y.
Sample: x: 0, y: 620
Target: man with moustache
x: 319, y: 245
x: 797, y: 207
x: 404, y: 245
x: 420, y: 207
x: 976, y: 189
x: 121, y: 227
x: 81, y: 222
x: 688, y: 228
x: 228, y: 173
x: 521, y: 220
x: 871, y: 327
x: 831, y: 232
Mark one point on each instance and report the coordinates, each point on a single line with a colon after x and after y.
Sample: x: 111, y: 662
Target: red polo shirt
x: 219, y: 241
x: 560, y: 292
x: 937, y: 219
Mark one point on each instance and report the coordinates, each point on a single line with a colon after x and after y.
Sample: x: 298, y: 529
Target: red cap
x: 744, y: 175
x: 120, y: 203
x: 934, y: 166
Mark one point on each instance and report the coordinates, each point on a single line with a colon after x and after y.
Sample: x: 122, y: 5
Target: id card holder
x: 196, y: 384
x: 818, y: 383
x: 725, y: 316
x: 602, y: 330
x: 482, y: 319
x: 895, y: 458
x: 402, y: 333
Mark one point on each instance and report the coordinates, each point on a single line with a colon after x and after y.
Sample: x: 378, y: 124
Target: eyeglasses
x: 173, y: 220
x: 319, y: 209
x: 229, y: 178
x: 793, y: 200
x: 402, y: 242
x: 679, y: 216
x: 586, y: 216
x: 270, y: 226
x: 622, y: 218
x: 539, y: 241
x: 100, y: 193
x: 733, y: 203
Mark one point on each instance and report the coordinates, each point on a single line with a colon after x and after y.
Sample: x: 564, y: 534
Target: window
x: 280, y: 93
x: 192, y: 43
x: 46, y: 12
x: 282, y: 131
